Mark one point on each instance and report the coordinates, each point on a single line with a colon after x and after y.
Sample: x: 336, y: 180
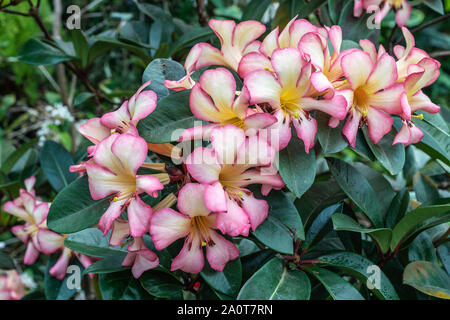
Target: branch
x: 431, y: 22
x: 202, y: 14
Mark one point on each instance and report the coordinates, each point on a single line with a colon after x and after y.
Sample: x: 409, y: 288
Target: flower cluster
x: 288, y: 77
x: 35, y: 233
x: 11, y: 286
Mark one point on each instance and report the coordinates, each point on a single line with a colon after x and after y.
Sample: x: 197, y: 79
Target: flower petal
x: 191, y: 200
x: 383, y: 75
x: 167, y: 226
x: 306, y: 130
x: 94, y: 130
x: 256, y: 209
x: 356, y: 76
x: 120, y: 230
x: 202, y: 106
x: 379, y: 124
x: 220, y: 85
x: 131, y: 151
x: 246, y: 32
x: 116, y: 119
x: 139, y: 214
x: 215, y: 199
x: 351, y: 126
x: 113, y: 212
x: 49, y: 241
x: 227, y: 141
x: 149, y: 184
x: 31, y: 254
x: 253, y: 61
x: 59, y: 269
x: 288, y: 63
x: 190, y: 259
x: 221, y: 252
x: 233, y: 222
x: 263, y: 87
x: 203, y: 166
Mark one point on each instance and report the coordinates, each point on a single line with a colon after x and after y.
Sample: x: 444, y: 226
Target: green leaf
x: 227, y: 281
x: 170, y: 117
x: 422, y: 248
x: 80, y: 45
x: 6, y: 262
x: 361, y: 268
x: 103, y: 45
x: 55, y: 162
x: 190, y: 38
x: 305, y: 8
x: 162, y: 285
x: 321, y: 195
x: 14, y: 157
x: 331, y: 139
x: 59, y: 289
x: 73, y: 209
x: 392, y: 157
x: 282, y: 226
x: 435, y: 5
x: 38, y: 53
x: 320, y: 226
x: 413, y: 219
x: 82, y: 97
x: 255, y: 9
x: 425, y: 189
x: 121, y: 286
x: 397, y: 209
x: 436, y: 140
x: 275, y: 282
x: 297, y: 168
x: 108, y: 264
x: 338, y: 288
x: 357, y: 188
x: 427, y: 278
x: 93, y: 243
x: 444, y: 254
x: 160, y: 70
x: 382, y: 236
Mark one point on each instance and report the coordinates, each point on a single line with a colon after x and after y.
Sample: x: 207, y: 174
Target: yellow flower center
x: 199, y: 226
x: 396, y: 3
x: 361, y: 101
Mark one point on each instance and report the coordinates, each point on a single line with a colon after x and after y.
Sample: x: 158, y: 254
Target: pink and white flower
x: 286, y: 87
x: 375, y: 91
x: 213, y: 99
x: 34, y: 232
x: 11, y: 286
x: 197, y: 224
x: 235, y: 40
x: 413, y: 99
x: 233, y: 163
x: 113, y: 171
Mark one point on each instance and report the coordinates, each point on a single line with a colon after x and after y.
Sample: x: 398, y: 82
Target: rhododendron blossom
x: 233, y: 163
x: 222, y: 108
x: 114, y: 171
x: 235, y: 40
x: 376, y: 94
x: 197, y: 224
x: 140, y: 258
x: 34, y: 232
x: 286, y: 87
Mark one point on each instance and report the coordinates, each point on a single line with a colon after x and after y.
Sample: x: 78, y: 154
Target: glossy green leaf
x: 73, y: 209
x: 397, y: 208
x: 103, y: 45
x: 55, y: 162
x: 38, y: 53
x: 444, y: 255
x: 320, y: 226
x: 255, y: 9
x: 15, y: 156
x: 357, y: 188
x: 93, y: 243
x: 107, y: 265
x: 80, y: 45
x: 305, y: 8
x: 171, y: 116
x: 425, y: 189
x: 381, y: 235
x: 427, y: 278
x: 276, y: 282
x: 121, y: 286
x: 338, y: 288
x: 435, y: 5
x: 362, y: 269
x: 392, y: 157
x: 436, y: 140
x: 413, y: 219
x: 321, y: 195
x: 160, y: 70
x: 422, y: 248
x: 282, y: 225
x: 190, y: 38
x: 227, y: 281
x: 330, y: 139
x: 297, y: 168
x: 161, y: 285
